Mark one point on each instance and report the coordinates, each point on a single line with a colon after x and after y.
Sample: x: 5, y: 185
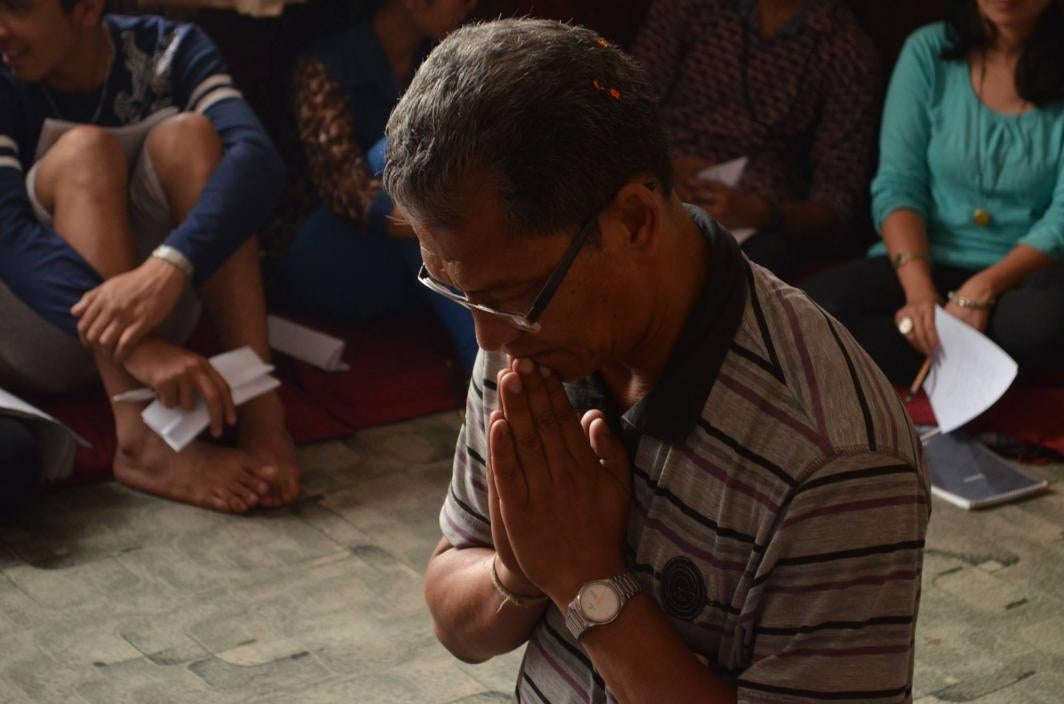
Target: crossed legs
x: 83, y: 181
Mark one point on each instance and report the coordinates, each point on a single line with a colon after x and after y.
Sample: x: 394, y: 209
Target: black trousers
x: 1027, y: 321
x: 20, y: 463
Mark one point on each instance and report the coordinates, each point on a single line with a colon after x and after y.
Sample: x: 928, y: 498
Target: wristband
x: 174, y: 258
x: 509, y: 596
x: 902, y: 258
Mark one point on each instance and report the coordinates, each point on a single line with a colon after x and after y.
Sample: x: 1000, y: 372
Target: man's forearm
x: 471, y: 619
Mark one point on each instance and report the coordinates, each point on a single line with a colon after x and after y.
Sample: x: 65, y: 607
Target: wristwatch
x: 600, y: 602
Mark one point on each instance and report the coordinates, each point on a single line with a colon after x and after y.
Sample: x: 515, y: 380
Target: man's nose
x: 492, y: 331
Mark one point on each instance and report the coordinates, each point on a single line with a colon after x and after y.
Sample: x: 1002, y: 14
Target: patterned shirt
x: 158, y: 65
x: 779, y: 501
x: 804, y: 109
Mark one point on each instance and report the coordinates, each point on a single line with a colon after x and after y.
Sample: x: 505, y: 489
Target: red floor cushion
x: 401, y: 368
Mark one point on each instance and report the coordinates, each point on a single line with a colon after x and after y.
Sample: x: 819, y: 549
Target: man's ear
x: 640, y: 207
x: 87, y: 13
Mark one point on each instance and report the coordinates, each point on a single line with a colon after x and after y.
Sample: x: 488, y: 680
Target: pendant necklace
x: 981, y: 216
x: 47, y: 93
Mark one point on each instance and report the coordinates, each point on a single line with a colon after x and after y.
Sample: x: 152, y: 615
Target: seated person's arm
x: 36, y: 263
x: 336, y: 165
x: 1039, y: 249
x: 237, y: 201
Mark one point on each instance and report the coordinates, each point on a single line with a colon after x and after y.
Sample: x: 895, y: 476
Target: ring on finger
x: 906, y: 325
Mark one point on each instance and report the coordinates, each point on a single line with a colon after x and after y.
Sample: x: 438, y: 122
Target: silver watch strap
x: 173, y: 257
x: 626, y: 585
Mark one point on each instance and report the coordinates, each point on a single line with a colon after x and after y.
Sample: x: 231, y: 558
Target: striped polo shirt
x: 779, y: 501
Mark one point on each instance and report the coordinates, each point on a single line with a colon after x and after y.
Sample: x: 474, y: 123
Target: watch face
x: 599, y: 602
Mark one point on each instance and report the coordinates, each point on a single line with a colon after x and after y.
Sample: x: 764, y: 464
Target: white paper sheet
x: 969, y: 374
x: 56, y: 439
x: 130, y: 137
x: 323, y: 351
x: 248, y: 377
x: 729, y: 174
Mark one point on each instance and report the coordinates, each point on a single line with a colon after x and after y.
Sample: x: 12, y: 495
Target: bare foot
x: 201, y: 474
x: 262, y: 434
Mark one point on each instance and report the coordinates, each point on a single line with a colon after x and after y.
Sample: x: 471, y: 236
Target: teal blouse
x: 944, y: 154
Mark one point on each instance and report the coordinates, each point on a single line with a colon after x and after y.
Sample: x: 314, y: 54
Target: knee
x: 185, y: 147
x: 85, y: 158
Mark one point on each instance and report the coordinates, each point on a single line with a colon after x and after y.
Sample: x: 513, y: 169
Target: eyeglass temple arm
x: 555, y: 280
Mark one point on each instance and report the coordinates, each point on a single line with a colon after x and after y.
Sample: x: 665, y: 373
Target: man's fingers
x: 79, y: 308
x: 607, y: 447
x: 225, y: 394
x: 568, y: 418
x: 524, y: 437
x: 186, y: 394
x: 546, y: 422
x: 109, y: 337
x: 167, y: 394
x: 129, y: 339
x: 506, y: 474
x: 213, y: 400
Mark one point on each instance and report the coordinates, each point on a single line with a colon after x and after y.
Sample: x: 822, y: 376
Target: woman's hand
x: 921, y: 311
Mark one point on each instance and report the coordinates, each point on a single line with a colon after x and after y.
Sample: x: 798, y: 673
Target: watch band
x: 624, y: 585
x: 174, y: 257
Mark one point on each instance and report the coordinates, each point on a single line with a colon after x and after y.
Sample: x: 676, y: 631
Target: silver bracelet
x: 970, y: 303
x: 175, y: 258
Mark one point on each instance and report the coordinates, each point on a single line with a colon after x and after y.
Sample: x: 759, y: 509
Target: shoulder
x: 927, y: 43
x: 804, y: 388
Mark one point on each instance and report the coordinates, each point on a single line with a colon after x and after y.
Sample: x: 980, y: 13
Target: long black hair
x: 1040, y: 71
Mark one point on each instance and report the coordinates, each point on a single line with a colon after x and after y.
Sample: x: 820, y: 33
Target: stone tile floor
x: 108, y: 596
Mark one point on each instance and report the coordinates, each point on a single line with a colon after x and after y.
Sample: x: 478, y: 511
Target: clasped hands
x: 559, y: 488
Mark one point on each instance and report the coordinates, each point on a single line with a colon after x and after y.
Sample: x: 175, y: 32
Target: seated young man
x: 725, y: 501
x: 116, y: 235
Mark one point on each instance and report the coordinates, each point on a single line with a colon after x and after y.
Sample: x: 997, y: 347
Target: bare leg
x: 184, y: 151
x: 83, y: 181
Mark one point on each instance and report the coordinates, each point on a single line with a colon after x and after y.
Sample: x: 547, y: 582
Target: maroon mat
x: 1029, y: 414
x: 401, y: 368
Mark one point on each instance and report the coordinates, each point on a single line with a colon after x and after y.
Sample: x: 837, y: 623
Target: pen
x: 134, y: 395
x: 919, y: 380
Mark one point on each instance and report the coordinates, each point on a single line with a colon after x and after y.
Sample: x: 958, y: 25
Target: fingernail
x: 525, y: 366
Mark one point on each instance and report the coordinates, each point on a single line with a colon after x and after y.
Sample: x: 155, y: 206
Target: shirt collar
x: 672, y: 408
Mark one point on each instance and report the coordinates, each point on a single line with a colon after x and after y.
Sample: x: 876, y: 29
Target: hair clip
x: 602, y: 43
x: 613, y: 92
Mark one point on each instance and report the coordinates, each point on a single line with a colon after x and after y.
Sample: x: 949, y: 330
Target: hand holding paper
x: 247, y: 376
x: 729, y: 173
x: 969, y: 373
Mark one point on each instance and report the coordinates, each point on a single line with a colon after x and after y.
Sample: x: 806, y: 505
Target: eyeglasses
x: 528, y: 321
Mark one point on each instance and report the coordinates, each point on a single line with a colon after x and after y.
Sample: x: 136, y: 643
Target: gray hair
x: 550, y: 115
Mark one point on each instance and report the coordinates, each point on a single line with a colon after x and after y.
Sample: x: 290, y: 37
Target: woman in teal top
x: 969, y: 196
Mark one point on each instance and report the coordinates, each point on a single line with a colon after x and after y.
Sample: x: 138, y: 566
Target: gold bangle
x: 902, y: 258
x: 509, y: 597
x: 970, y: 303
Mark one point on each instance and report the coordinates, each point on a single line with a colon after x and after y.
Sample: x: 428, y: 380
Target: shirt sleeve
x: 247, y: 183
x: 36, y: 264
x: 337, y: 167
x: 841, y: 154
x: 662, y: 42
x: 902, y: 181
x: 832, y: 613
x: 464, y: 518
x: 1047, y: 235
